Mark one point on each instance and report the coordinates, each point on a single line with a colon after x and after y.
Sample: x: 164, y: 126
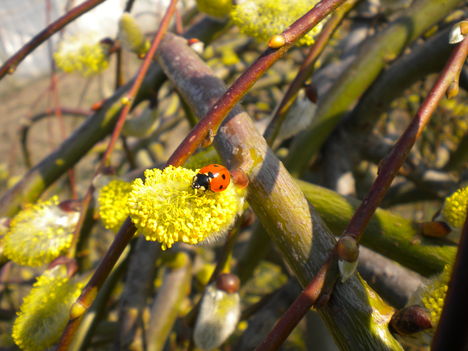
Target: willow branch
x: 425, y: 59
x: 128, y: 229
x: 294, y: 226
x: 396, y: 234
x: 136, y: 84
x: 138, y: 284
x: 166, y: 306
x: 10, y: 65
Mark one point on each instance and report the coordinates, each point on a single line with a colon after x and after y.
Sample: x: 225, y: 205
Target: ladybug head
x: 201, y: 181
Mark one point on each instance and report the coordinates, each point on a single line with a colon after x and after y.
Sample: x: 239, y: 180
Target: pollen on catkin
x: 39, y: 233
x: 261, y: 19
x: 433, y: 296
x: 82, y: 53
x: 455, y: 207
x: 165, y: 208
x: 45, y: 310
x: 112, y: 203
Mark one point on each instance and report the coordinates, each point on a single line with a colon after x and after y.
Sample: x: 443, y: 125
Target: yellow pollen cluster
x: 261, y: 19
x: 434, y: 295
x: 83, y: 54
x: 45, y: 310
x: 455, y: 207
x: 112, y: 203
x: 166, y: 209
x: 39, y: 233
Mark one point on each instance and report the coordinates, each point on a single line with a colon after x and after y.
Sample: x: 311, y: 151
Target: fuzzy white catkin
x: 217, y: 318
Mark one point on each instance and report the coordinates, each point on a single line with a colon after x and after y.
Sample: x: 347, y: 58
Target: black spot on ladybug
x: 223, y: 176
x: 220, y: 187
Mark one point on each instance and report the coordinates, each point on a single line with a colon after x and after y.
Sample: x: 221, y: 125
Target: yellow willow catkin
x: 45, y: 310
x: 165, y: 208
x: 39, y: 233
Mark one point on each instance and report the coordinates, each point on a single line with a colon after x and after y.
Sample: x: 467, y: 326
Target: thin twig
x: 10, y: 65
x: 305, y: 71
x: 373, y: 56
x: 91, y: 289
x: 388, y: 169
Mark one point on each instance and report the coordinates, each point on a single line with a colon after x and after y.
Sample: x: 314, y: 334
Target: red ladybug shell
x: 213, y: 177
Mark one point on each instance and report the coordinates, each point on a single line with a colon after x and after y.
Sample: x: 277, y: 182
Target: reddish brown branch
x: 123, y: 115
x: 89, y: 292
x: 10, y: 65
x: 296, y: 311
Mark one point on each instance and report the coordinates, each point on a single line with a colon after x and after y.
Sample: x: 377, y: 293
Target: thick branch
x: 280, y: 205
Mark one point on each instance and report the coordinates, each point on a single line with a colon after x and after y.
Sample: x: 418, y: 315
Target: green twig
x: 138, y: 284
x: 423, y: 60
x: 167, y: 303
x: 389, y: 166
x: 389, y: 234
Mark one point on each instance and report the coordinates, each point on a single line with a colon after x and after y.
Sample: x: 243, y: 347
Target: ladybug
x: 213, y: 177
